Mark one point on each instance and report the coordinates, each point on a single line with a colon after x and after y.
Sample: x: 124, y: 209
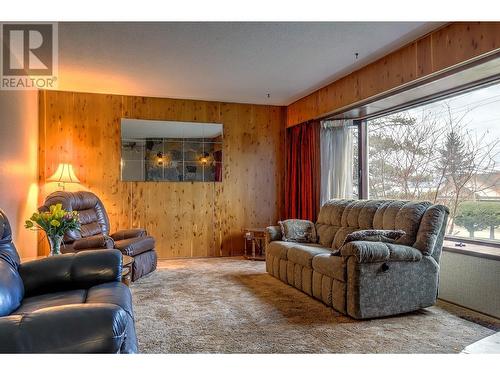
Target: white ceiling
x: 233, y: 62
x: 139, y: 129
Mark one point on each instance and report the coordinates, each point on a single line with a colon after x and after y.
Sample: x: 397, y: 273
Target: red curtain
x: 303, y: 171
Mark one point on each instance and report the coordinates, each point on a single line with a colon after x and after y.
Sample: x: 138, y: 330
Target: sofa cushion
x: 294, y: 230
x: 385, y: 217
x: 304, y: 254
x: 328, y: 222
x: 404, y: 215
x: 350, y: 216
x: 332, y: 266
x: 331, y: 212
x: 135, y: 246
x: 408, y: 219
x: 279, y: 249
x: 42, y: 301
x: 115, y: 293
x: 367, y: 213
x: 360, y: 213
x: 326, y: 233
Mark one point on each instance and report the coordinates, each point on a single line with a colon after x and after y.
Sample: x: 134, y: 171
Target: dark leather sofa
x: 95, y: 230
x: 73, y: 303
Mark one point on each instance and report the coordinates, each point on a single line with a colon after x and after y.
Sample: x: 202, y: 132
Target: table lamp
x: 64, y: 174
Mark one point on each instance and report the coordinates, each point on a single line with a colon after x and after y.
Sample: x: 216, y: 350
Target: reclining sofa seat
x: 367, y: 279
x: 95, y: 230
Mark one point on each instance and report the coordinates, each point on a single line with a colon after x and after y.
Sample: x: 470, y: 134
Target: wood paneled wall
x: 448, y: 46
x: 188, y: 219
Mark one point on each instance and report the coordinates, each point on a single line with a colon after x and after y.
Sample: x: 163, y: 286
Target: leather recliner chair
x: 72, y: 303
x: 95, y: 230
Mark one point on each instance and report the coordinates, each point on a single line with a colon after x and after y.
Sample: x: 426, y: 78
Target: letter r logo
x: 27, y: 49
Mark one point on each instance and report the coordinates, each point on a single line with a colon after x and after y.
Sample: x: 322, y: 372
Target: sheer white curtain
x: 336, y: 159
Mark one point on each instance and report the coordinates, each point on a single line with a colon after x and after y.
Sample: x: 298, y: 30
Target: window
x: 339, y: 159
x: 448, y: 152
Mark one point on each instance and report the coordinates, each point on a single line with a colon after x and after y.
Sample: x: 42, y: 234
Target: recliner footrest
x: 135, y: 246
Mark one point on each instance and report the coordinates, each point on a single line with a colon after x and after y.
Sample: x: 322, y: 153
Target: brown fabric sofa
x: 365, y: 279
x: 95, y: 230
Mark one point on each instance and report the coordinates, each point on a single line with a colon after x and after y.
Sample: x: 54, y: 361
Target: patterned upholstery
x: 366, y: 279
x: 295, y: 230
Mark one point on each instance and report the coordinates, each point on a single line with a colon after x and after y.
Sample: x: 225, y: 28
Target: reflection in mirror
x: 170, y: 151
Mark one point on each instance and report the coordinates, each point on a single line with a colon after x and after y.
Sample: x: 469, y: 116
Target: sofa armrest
x: 273, y: 233
x: 99, y: 241
x: 372, y: 252
x: 129, y: 233
x: 79, y: 328
x: 71, y: 271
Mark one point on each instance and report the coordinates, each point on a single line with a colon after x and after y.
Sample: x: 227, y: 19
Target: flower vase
x: 55, y: 245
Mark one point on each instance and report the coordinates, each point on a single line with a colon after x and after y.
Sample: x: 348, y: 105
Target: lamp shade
x: 64, y: 173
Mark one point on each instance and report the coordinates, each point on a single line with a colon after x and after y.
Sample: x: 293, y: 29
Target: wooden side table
x: 255, y: 240
x: 127, y: 269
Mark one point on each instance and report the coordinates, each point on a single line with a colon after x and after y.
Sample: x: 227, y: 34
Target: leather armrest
x: 71, y: 271
x: 79, y: 328
x: 372, y: 252
x: 99, y: 241
x: 129, y: 233
x: 273, y: 233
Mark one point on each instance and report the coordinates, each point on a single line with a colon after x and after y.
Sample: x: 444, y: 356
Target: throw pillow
x: 295, y: 230
x: 374, y: 235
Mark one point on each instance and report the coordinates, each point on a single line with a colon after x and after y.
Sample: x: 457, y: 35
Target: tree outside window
x: 446, y: 152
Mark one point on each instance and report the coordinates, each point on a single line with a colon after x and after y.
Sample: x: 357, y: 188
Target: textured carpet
x: 230, y: 305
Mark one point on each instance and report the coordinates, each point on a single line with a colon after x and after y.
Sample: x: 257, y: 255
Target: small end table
x: 255, y: 238
x: 127, y: 269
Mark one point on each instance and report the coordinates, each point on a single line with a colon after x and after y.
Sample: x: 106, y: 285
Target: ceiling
x: 232, y: 62
x: 140, y: 129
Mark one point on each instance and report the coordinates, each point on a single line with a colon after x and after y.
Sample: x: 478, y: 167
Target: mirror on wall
x: 170, y: 151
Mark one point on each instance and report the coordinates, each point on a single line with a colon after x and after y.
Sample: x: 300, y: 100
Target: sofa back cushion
x: 329, y: 218
x: 339, y: 218
x: 92, y: 214
x: 358, y: 214
x: 11, y: 285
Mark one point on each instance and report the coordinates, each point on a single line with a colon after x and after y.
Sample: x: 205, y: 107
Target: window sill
x: 475, y: 250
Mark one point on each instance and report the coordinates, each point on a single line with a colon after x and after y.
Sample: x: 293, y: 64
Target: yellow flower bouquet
x: 55, y: 223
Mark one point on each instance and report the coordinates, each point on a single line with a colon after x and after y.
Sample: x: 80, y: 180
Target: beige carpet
x: 230, y: 305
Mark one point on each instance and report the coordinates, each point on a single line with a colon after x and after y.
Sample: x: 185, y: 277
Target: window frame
x: 362, y: 125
